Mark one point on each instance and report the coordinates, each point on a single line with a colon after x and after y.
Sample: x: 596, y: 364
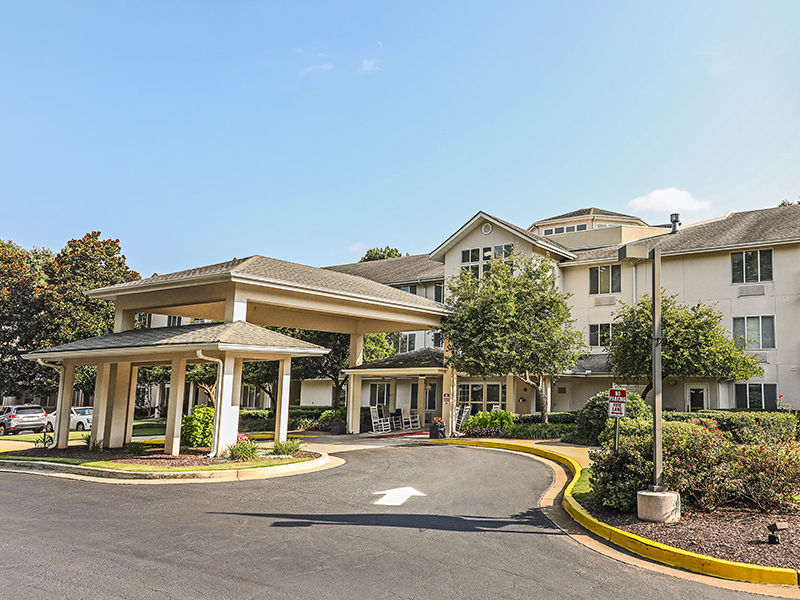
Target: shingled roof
x: 273, y: 271
x: 238, y: 334
x: 395, y: 270
x: 421, y: 358
x: 589, y: 212
x: 779, y: 224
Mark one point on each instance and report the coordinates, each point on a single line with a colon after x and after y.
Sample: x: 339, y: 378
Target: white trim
x: 687, y: 387
x: 444, y: 246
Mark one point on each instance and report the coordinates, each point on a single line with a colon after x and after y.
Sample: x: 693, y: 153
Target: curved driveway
x: 476, y: 534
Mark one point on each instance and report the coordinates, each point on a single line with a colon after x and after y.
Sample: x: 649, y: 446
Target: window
x: 379, y: 394
x: 411, y: 289
x: 601, y: 226
x: 548, y: 232
x: 756, y: 396
x: 482, y: 396
x: 173, y: 321
x: 600, y: 334
x: 559, y: 230
x: 581, y: 227
x: 471, y: 255
x: 569, y: 228
x: 754, y: 333
x: 438, y: 341
x: 751, y: 266
x: 605, y: 280
x: 430, y: 396
x: 483, y: 256
x: 503, y: 252
x: 438, y: 292
x: 407, y: 342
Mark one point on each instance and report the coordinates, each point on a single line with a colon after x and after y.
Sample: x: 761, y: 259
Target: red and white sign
x: 445, y: 398
x: 617, y: 401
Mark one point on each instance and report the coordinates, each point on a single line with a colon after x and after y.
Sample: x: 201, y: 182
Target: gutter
x: 217, y: 393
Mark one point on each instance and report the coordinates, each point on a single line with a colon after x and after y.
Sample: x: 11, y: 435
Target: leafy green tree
x: 511, y: 321
x: 327, y: 366
x: 694, y: 344
x: 379, y: 345
x: 381, y: 253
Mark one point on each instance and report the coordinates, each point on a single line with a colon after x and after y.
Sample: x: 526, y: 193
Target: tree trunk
x: 647, y: 389
x: 338, y: 384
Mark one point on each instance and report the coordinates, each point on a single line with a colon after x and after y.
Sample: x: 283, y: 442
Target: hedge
x: 554, y: 417
x: 744, y: 427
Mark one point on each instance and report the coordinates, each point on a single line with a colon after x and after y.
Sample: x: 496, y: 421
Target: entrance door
x: 562, y: 397
x: 696, y: 397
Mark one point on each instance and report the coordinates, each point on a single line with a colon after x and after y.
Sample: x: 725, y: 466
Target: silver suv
x: 25, y: 417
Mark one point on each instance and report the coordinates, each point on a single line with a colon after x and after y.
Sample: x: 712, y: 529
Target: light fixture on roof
x: 675, y: 219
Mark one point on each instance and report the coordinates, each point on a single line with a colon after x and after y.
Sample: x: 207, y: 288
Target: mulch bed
x: 193, y: 457
x: 730, y: 533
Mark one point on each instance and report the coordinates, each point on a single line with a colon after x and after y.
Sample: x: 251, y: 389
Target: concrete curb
x: 167, y: 476
x: 675, y: 557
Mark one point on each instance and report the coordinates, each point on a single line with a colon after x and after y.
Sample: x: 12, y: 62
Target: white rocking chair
x: 410, y: 419
x: 379, y: 424
x: 462, y: 417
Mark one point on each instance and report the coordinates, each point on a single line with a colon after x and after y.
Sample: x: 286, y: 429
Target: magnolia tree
x: 514, y: 320
x: 694, y: 344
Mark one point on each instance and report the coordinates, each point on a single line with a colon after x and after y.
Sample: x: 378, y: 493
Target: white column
x: 393, y: 395
x: 229, y: 403
x: 131, y: 404
x: 100, y: 401
x: 177, y: 379
x: 511, y: 394
x: 354, y: 384
x: 117, y: 410
x: 123, y: 320
x: 235, y: 308
x: 66, y: 386
x: 282, y: 400
x: 449, y: 394
x: 421, y: 400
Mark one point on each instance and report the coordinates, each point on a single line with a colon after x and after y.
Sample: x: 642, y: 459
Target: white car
x: 80, y: 418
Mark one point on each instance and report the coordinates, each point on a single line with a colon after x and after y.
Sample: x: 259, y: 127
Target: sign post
x: 617, y: 403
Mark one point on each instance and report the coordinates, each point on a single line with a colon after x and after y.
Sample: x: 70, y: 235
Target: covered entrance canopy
x: 241, y: 292
x: 119, y: 355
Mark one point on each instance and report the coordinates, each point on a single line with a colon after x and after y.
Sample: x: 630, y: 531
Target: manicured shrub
x: 501, y: 419
x: 256, y: 420
x: 243, y: 450
x: 481, y: 432
x: 592, y: 418
x: 554, y: 418
x: 136, y: 449
x: 304, y: 423
x: 197, y: 428
x: 538, y: 431
x: 289, y: 447
x: 616, y: 478
x: 630, y: 427
x: 329, y: 416
x: 770, y: 474
x: 745, y: 427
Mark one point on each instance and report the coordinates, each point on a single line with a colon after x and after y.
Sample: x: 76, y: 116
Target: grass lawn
x: 32, y: 437
x: 149, y: 427
x: 583, y: 488
x: 108, y: 464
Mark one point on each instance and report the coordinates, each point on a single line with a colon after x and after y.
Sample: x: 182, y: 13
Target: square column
x: 101, y: 389
x: 235, y: 308
x: 422, y: 396
x: 117, y: 410
x: 229, y: 398
x: 511, y: 394
x: 66, y: 386
x: 449, y: 393
x: 393, y: 394
x: 354, y: 385
x: 123, y: 320
x: 131, y: 405
x: 282, y: 400
x: 177, y: 379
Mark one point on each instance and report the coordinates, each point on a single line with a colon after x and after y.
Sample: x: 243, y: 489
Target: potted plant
x: 436, y: 429
x: 338, y: 427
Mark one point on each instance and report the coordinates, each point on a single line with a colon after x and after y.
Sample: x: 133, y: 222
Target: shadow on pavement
x: 530, y: 521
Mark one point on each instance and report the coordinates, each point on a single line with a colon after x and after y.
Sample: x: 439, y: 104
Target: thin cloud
x: 312, y: 68
x: 356, y: 248
x: 669, y: 200
x: 369, y: 65
x: 380, y: 44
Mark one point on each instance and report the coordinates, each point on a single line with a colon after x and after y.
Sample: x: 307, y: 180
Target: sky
x: 197, y: 131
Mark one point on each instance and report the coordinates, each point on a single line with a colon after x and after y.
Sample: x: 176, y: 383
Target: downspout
x: 217, y: 393
x: 60, y: 369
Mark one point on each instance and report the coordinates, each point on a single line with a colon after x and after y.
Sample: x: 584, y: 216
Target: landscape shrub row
x: 501, y: 423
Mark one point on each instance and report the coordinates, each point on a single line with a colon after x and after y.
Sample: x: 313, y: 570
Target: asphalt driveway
x: 476, y: 533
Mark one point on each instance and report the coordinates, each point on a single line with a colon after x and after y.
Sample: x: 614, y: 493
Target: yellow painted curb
x: 675, y: 557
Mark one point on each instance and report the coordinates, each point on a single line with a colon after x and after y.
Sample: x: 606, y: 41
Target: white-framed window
x: 569, y: 229
x: 438, y: 339
x: 379, y: 394
x: 407, y: 342
x: 602, y: 226
x: 411, y: 289
x: 173, y: 321
x: 751, y: 266
x: 600, y: 334
x: 438, y: 292
x: 581, y: 227
x: 482, y: 396
x: 605, y: 280
x: 558, y: 230
x: 430, y: 396
x: 548, y: 232
x: 754, y: 333
x: 473, y: 259
x: 756, y: 396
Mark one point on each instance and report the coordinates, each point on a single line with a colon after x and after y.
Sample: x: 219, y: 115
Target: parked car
x: 25, y: 417
x: 80, y: 418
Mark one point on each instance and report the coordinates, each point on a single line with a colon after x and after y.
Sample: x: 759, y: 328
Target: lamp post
x: 655, y: 503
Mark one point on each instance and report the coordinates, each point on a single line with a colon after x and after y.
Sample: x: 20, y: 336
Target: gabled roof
x: 421, y: 358
x: 279, y: 273
x: 589, y: 212
x: 238, y: 335
x: 536, y: 240
x: 395, y: 270
x: 740, y: 229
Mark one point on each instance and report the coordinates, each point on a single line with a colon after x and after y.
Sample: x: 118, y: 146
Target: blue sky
x: 200, y: 131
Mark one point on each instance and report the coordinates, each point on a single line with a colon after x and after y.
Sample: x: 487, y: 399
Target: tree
x: 327, y: 366
x: 514, y: 320
x: 694, y: 344
x: 381, y: 253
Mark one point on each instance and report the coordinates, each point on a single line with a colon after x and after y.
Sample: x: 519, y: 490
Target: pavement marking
x: 397, y: 496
